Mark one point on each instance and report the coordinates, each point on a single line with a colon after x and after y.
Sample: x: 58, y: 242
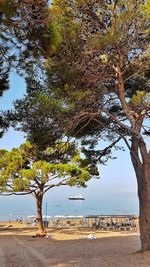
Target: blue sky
x: 16, y: 91
x: 117, y: 177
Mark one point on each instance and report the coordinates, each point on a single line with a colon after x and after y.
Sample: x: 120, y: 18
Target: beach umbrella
x: 31, y: 216
x: 59, y: 216
x: 46, y: 217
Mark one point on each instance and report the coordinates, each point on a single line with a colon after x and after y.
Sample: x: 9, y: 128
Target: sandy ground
x: 69, y: 248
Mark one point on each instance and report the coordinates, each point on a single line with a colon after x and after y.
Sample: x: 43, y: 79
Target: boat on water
x: 79, y: 197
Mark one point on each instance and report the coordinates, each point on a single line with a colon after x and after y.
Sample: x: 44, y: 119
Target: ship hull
x: 74, y: 198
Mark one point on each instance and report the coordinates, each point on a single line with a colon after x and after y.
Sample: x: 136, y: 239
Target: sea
x: 16, y: 207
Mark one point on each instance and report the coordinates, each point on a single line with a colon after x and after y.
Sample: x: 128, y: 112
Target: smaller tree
x: 26, y: 170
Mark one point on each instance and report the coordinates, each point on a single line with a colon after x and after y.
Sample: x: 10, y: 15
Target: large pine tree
x: 106, y: 81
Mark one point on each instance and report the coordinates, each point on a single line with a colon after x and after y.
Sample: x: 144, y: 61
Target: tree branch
x: 55, y: 185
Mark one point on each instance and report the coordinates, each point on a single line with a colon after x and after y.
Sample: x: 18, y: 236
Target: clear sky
x: 118, y: 178
x: 16, y: 91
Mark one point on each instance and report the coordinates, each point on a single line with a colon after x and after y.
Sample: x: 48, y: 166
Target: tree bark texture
x: 39, y: 200
x: 142, y: 169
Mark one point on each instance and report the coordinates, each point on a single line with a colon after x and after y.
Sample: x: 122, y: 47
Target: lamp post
x: 46, y: 215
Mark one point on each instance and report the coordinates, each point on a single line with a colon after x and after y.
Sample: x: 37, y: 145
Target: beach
x: 69, y: 247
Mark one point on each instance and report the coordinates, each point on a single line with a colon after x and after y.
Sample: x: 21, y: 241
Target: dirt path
x: 16, y: 251
x: 2, y: 258
x: 25, y: 251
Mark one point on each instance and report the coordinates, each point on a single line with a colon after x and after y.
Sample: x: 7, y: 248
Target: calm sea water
x: 13, y: 207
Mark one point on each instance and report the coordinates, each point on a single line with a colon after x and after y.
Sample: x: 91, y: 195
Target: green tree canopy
x: 27, y: 36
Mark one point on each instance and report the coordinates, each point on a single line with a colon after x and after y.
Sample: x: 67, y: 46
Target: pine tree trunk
x: 144, y: 206
x: 39, y: 200
x: 142, y: 170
